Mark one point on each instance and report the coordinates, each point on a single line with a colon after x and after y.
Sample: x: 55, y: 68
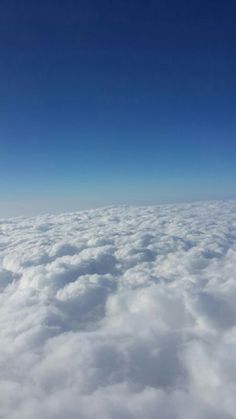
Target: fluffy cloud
x: 120, y: 313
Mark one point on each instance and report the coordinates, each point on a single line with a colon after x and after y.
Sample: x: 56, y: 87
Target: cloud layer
x: 119, y: 313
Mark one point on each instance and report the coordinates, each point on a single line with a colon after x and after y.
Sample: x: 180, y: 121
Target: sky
x: 116, y: 102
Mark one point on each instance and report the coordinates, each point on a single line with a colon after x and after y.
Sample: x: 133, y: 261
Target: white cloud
x: 119, y: 313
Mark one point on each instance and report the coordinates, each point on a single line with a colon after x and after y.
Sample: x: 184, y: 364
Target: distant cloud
x: 119, y: 313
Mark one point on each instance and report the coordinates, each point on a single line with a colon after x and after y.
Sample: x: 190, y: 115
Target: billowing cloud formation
x: 124, y: 313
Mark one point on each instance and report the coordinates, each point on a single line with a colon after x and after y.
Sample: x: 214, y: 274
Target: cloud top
x: 122, y: 313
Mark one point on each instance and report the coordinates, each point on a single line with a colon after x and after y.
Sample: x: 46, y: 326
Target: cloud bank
x: 119, y: 313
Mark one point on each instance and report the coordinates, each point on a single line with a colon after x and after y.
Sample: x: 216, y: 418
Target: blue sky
x: 116, y: 102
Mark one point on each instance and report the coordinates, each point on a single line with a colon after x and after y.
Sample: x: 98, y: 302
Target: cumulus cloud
x: 120, y: 313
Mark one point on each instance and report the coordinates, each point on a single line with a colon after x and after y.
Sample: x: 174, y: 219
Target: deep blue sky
x: 108, y: 102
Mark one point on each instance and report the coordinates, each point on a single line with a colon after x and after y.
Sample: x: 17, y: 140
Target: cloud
x: 122, y: 313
